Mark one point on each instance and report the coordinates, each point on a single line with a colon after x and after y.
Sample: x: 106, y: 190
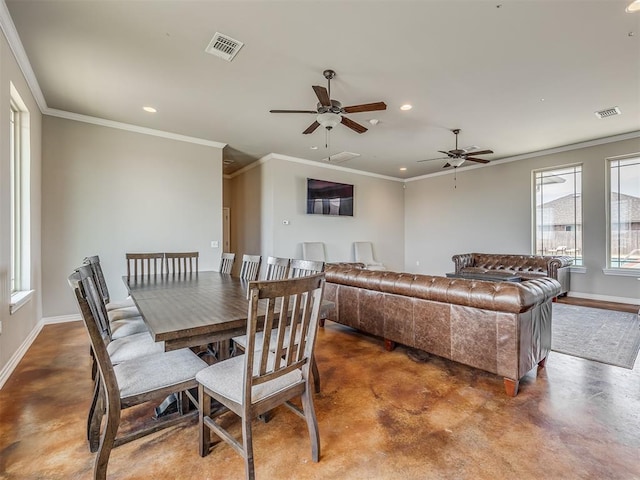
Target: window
x: 624, y: 213
x: 20, y: 194
x: 558, y: 212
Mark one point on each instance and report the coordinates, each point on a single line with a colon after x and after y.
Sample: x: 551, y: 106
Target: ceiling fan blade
x: 481, y: 152
x: 365, y: 107
x: 293, y: 111
x: 322, y: 95
x: 311, y: 128
x: 478, y: 160
x: 446, y: 165
x: 356, y: 127
x: 429, y: 159
x: 446, y: 153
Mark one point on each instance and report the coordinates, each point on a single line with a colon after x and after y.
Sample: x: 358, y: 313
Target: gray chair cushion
x: 226, y: 378
x: 123, y: 313
x: 160, y: 370
x: 133, y: 346
x: 115, y: 305
x: 130, y: 326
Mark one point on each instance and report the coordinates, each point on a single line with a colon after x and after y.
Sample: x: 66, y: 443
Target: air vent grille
x: 341, y: 157
x: 223, y: 46
x: 608, y: 112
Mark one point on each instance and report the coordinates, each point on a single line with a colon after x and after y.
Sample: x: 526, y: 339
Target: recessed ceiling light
x: 374, y: 121
x: 149, y: 109
x: 313, y: 147
x: 406, y: 106
x: 402, y: 169
x: 633, y: 7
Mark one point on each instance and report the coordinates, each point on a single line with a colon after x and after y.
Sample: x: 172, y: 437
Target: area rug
x: 605, y: 336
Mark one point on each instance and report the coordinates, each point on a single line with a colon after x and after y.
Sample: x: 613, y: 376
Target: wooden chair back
x: 277, y: 268
x: 144, y: 264
x: 226, y: 262
x: 303, y: 268
x: 98, y: 275
x: 293, y: 303
x: 184, y: 262
x: 250, y: 267
x: 92, y: 296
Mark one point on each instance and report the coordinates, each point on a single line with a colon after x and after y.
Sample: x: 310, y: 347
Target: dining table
x: 194, y: 309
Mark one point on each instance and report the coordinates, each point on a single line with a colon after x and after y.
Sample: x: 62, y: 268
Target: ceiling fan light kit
x: 328, y: 120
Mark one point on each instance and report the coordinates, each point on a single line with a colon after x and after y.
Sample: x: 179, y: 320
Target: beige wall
x: 17, y: 327
x: 490, y: 211
x: 108, y: 191
x: 275, y: 191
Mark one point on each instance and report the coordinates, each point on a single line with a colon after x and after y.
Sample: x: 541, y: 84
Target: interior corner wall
x: 267, y: 196
x: 17, y: 327
x: 108, y: 191
x: 489, y: 209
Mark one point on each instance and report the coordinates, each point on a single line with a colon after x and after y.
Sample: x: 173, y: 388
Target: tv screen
x: 329, y: 198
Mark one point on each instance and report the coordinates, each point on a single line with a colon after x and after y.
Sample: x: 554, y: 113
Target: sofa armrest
x: 463, y: 260
x: 556, y: 263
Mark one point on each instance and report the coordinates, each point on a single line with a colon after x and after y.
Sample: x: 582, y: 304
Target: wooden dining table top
x: 192, y: 309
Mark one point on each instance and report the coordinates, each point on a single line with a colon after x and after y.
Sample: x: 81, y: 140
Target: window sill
x: 19, y: 299
x: 622, y: 272
x: 578, y: 269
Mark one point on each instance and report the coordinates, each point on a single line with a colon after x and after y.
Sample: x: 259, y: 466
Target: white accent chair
x: 313, y: 251
x: 364, y: 254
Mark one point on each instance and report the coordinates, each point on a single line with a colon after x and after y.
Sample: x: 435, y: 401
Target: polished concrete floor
x: 382, y: 415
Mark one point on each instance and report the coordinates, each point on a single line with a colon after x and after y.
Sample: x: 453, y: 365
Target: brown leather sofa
x: 525, y: 266
x: 501, y: 327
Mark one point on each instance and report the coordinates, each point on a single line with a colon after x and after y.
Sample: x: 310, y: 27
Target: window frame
x: 20, y: 172
x: 534, y: 212
x: 609, y: 269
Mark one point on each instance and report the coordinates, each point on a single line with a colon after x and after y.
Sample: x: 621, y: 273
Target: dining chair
x: 184, y: 262
x: 131, y: 383
x: 144, y: 264
x: 297, y: 268
x: 277, y: 268
x: 116, y: 323
x: 226, y: 262
x: 314, y: 251
x: 363, y: 253
x: 302, y: 268
x: 256, y: 382
x: 250, y: 267
x: 119, y: 310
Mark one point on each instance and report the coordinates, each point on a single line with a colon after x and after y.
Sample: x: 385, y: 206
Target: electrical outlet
x: 418, y: 263
x: 0, y: 327
x: 214, y: 244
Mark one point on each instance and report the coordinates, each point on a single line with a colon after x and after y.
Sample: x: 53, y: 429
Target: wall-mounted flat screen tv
x: 329, y: 198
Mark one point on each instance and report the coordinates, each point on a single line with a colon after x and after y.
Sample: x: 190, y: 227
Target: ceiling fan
x: 330, y: 113
x: 458, y: 156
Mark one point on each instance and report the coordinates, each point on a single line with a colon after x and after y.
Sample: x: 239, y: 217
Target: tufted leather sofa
x: 525, y: 266
x: 501, y: 327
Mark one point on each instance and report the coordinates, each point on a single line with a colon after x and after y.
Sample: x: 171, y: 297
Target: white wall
x: 17, y: 327
x: 108, y: 191
x: 491, y: 211
x: 277, y: 190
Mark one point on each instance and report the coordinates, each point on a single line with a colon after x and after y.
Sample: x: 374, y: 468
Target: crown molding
x: 312, y: 163
x: 131, y: 128
x: 540, y: 153
x: 10, y: 32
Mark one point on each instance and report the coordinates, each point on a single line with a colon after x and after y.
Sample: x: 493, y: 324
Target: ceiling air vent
x: 608, y: 112
x: 341, y: 157
x: 223, y: 46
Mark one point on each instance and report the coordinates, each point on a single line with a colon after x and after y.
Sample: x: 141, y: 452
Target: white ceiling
x: 515, y: 76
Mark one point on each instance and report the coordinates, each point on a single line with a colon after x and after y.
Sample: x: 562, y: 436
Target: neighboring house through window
x: 558, y: 212
x: 624, y: 213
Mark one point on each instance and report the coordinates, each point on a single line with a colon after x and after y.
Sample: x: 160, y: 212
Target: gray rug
x: 605, y: 336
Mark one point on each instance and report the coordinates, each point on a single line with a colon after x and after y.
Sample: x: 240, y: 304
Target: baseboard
x: 13, y: 362
x: 604, y: 298
x: 61, y: 319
